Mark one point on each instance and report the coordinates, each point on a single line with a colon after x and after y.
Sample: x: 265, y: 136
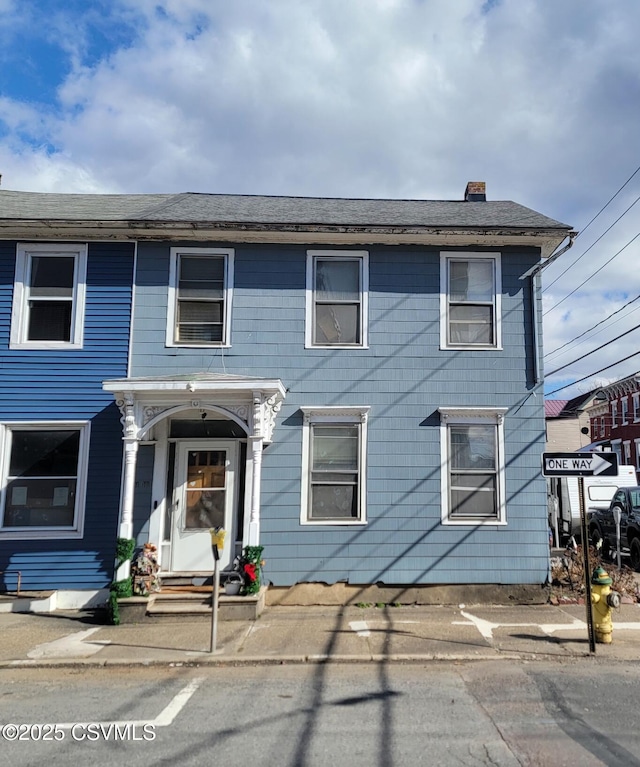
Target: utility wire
x: 606, y: 319
x: 584, y: 378
x: 594, y: 274
x: 571, y: 265
x: 635, y: 172
x: 593, y: 351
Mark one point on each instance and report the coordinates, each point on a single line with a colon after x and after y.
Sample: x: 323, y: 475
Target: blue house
x: 354, y: 385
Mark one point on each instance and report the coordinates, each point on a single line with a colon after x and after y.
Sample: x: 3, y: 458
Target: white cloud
x: 399, y: 98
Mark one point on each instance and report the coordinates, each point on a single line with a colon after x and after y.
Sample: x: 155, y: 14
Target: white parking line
x: 360, y: 627
x: 70, y: 646
x: 164, y: 718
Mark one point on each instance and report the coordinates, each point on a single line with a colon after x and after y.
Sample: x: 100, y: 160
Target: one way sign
x: 579, y: 464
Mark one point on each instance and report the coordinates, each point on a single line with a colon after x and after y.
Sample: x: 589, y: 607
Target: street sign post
x: 579, y: 464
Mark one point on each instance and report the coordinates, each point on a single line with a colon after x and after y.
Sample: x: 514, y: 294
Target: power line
x: 580, y: 380
x: 582, y: 255
x: 594, y: 274
x: 606, y: 319
x: 584, y: 229
x: 593, y: 351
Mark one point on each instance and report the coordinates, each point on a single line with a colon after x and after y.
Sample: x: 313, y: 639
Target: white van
x: 598, y: 492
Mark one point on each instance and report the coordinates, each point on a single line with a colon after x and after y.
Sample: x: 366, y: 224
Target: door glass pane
x: 205, y: 493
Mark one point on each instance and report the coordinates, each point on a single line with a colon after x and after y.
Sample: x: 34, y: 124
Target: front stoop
x: 190, y: 605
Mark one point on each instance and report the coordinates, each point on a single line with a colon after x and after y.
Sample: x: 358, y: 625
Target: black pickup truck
x: 602, y: 525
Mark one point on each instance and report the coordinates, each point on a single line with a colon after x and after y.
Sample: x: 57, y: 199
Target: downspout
x: 534, y: 284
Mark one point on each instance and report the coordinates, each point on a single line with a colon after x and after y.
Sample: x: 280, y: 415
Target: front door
x: 204, y: 498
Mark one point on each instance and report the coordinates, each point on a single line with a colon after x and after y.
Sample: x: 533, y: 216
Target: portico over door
x: 204, y: 498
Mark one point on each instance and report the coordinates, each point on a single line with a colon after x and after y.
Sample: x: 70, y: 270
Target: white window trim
x: 636, y: 407
x: 20, y: 313
x: 636, y: 443
x: 626, y: 451
x: 172, y: 297
x: 614, y: 414
x: 75, y: 531
x: 481, y: 416
x: 624, y: 410
x: 616, y: 447
x: 445, y: 256
x: 328, y: 415
x: 343, y: 255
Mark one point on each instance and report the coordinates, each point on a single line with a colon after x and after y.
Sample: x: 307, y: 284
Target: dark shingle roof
x: 250, y: 209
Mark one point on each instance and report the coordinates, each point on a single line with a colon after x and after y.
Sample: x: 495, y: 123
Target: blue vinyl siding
x: 67, y: 385
x: 404, y: 377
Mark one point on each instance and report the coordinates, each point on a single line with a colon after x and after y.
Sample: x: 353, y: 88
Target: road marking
x: 164, y: 718
x: 486, y: 628
x: 360, y: 627
x: 70, y: 646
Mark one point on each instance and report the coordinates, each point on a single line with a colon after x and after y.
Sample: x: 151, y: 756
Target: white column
x: 126, y: 511
x: 254, y: 516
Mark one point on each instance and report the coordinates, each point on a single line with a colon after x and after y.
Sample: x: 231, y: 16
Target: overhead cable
x: 606, y: 319
x: 615, y: 255
x: 584, y: 378
x: 593, y: 351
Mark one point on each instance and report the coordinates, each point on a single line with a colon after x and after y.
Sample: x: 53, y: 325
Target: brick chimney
x: 475, y: 192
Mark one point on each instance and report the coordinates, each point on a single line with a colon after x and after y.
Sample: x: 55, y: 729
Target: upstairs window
x: 636, y: 407
x: 49, y: 296
x: 614, y: 415
x: 624, y: 407
x: 44, y: 478
x: 337, y: 297
x: 200, y: 287
x: 470, y: 301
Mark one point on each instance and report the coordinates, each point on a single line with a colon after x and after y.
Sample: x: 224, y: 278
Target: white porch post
x: 129, y: 476
x: 256, y: 440
x: 254, y: 516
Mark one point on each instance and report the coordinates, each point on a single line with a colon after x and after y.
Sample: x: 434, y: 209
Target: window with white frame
x: 626, y: 447
x: 472, y: 475
x: 603, y: 426
x: 44, y: 478
x: 624, y: 410
x: 200, y: 291
x: 49, y: 296
x: 337, y: 298
x: 470, y: 301
x: 334, y: 443
x: 636, y: 444
x: 636, y: 407
x: 614, y: 415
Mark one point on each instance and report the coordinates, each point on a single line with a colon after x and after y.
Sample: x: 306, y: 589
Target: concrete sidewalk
x: 319, y: 634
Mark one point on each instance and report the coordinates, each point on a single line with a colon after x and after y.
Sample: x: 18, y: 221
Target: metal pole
x: 214, y: 600
x: 587, y: 576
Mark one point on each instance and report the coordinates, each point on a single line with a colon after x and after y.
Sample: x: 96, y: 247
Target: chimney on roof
x: 475, y: 192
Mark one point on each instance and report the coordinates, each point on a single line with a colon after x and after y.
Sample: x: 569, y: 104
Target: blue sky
x: 367, y: 98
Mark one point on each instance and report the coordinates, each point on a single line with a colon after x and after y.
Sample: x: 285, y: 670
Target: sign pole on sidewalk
x: 584, y: 531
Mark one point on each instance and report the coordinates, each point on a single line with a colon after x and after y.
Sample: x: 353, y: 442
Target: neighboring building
x: 615, y: 419
x: 567, y: 423
x: 353, y: 384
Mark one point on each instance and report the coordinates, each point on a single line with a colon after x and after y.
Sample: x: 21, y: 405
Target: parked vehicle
x: 602, y: 525
x: 564, y: 499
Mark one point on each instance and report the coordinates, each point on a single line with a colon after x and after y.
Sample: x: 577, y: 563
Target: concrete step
x: 193, y: 605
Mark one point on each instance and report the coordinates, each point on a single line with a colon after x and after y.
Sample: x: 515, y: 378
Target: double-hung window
x: 44, y: 477
x: 636, y: 407
x: 470, y: 301
x: 337, y: 299
x: 200, y: 290
x: 334, y: 465
x: 614, y: 415
x: 472, y: 474
x: 49, y: 296
x: 624, y: 410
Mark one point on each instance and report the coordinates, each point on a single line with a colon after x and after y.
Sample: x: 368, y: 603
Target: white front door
x: 204, y: 498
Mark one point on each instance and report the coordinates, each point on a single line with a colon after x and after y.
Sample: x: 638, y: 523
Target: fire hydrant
x: 603, y: 599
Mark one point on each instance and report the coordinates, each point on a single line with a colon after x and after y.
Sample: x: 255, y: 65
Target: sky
x: 354, y: 98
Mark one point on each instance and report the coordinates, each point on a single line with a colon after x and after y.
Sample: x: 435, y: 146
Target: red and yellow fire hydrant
x: 603, y: 599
